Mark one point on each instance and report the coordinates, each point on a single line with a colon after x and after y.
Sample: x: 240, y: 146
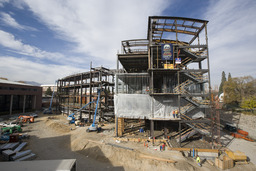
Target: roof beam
x: 179, y: 31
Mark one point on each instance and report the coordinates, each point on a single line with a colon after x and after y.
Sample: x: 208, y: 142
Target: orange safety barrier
x: 242, y: 132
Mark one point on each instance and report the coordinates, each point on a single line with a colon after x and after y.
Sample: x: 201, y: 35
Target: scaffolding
x: 172, y: 69
x: 76, y: 90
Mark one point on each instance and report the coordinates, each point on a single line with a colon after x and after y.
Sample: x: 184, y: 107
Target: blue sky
x: 44, y: 40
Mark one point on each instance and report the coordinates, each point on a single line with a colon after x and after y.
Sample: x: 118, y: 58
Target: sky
x: 45, y: 40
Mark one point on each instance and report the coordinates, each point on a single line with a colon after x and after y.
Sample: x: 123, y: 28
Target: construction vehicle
x: 93, y: 126
x: 25, y: 118
x: 72, y: 118
x: 49, y: 110
x: 11, y: 129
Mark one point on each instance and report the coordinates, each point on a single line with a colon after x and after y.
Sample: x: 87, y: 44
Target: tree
x: 239, y: 89
x: 229, y: 76
x: 231, y: 95
x: 48, y: 91
x: 223, y: 80
x: 249, y: 103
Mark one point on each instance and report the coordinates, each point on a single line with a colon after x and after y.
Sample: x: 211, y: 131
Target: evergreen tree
x: 223, y: 80
x: 229, y: 77
x: 48, y: 91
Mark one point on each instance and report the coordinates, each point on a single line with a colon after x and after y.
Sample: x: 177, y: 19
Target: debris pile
x: 11, y: 140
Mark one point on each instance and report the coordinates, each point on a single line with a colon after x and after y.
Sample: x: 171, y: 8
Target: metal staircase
x: 196, y: 77
x: 185, y: 62
x: 180, y: 89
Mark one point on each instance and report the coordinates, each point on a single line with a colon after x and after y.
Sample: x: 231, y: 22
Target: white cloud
x: 232, y: 36
x: 26, y: 70
x: 2, y: 2
x: 10, y: 21
x: 97, y: 27
x: 8, y: 40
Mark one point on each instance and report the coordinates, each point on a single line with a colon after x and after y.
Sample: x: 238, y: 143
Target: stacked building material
x: 120, y: 127
x: 7, y: 154
x: 224, y: 162
x: 19, y: 155
x: 8, y: 146
x: 20, y: 147
x: 186, y: 136
x: 28, y: 157
x: 12, y: 151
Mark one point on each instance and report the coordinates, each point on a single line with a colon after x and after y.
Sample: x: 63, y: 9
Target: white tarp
x: 144, y: 106
x: 133, y: 105
x: 164, y: 106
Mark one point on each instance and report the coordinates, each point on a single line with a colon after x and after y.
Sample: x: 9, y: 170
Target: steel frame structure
x: 144, y: 56
x: 74, y: 91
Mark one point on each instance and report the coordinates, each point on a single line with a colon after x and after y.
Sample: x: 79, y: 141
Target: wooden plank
x: 140, y: 140
x: 196, y: 149
x: 210, y: 162
x: 157, y: 158
x: 241, y: 162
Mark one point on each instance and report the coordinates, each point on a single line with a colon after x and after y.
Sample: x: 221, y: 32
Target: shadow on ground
x: 59, y: 147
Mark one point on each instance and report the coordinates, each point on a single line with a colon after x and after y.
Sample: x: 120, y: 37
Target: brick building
x: 19, y: 97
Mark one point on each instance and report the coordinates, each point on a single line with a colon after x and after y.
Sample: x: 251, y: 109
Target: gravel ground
x: 55, y: 139
x: 244, y: 122
x: 249, y: 148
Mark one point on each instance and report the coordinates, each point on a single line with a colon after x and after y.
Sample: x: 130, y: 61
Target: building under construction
x: 75, y: 91
x: 167, y: 77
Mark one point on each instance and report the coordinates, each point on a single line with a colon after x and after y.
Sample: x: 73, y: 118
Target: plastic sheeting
x: 133, y: 106
x: 144, y: 106
x: 198, y: 115
x: 163, y: 107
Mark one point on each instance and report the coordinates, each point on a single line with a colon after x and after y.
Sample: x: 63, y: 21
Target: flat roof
x: 13, y: 82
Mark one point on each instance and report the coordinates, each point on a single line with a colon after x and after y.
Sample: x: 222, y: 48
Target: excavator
x: 93, y: 126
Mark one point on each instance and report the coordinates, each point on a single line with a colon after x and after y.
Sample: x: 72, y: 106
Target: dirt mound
x: 119, y: 156
x: 58, y: 125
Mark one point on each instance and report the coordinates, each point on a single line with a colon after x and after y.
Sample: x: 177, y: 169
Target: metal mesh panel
x: 132, y: 83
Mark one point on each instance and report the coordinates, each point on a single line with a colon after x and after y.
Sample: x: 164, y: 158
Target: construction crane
x: 49, y: 110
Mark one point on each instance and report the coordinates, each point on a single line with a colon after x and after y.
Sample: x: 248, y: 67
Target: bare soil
x: 51, y: 137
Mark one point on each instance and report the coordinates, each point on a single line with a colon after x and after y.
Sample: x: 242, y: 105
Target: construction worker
x: 198, y: 160
x: 176, y: 113
x: 173, y: 114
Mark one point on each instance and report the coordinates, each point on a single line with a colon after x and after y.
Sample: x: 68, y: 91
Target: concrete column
x: 34, y: 103
x: 116, y: 122
x: 165, y: 129
x: 24, y: 103
x: 152, y: 128
x: 11, y: 102
x: 180, y: 132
